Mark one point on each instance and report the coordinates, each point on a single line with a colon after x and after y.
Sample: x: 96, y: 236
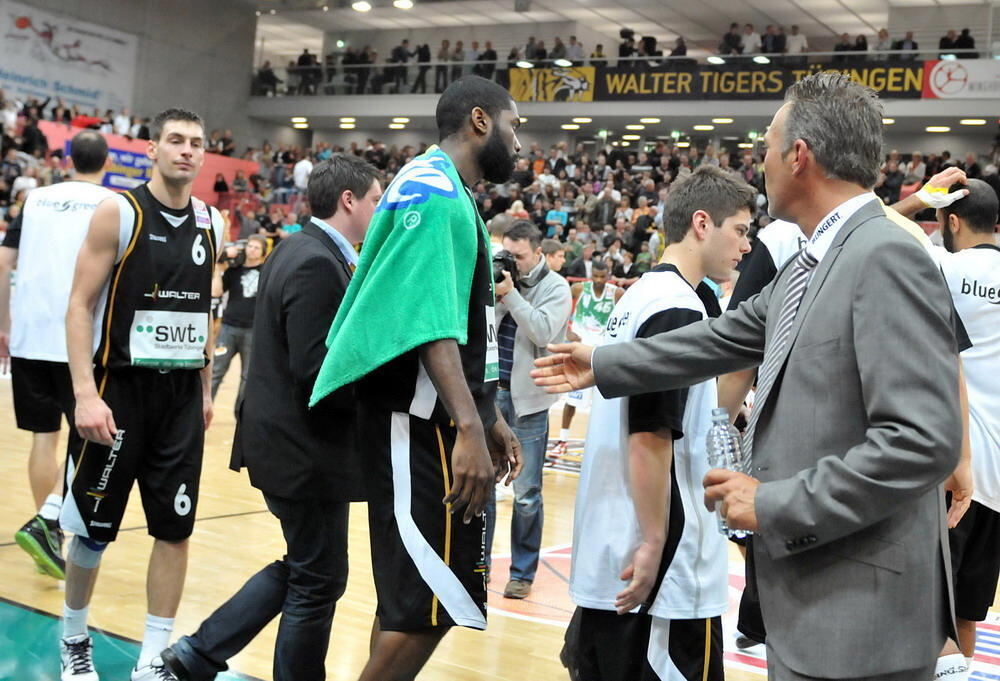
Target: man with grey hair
x: 843, y: 482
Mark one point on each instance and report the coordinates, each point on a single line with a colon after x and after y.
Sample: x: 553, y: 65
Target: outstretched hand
x: 567, y: 368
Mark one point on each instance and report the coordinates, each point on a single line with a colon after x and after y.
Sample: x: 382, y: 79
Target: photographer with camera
x: 237, y: 274
x: 533, y: 306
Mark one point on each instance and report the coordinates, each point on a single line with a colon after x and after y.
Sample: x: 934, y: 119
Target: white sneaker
x: 154, y: 671
x: 77, y: 653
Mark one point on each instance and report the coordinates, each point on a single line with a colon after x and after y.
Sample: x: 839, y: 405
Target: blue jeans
x: 303, y: 587
x: 526, y: 526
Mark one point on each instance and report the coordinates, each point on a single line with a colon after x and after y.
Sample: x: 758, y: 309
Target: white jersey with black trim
x: 54, y: 224
x: 606, y: 529
x: 783, y: 240
x: 973, y: 277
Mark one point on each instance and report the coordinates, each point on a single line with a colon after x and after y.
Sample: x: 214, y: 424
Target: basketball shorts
x: 429, y: 567
x: 975, y: 561
x: 43, y: 394
x: 639, y: 647
x: 160, y: 442
x: 580, y: 399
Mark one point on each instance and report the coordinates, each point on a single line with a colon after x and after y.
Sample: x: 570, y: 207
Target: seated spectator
x: 796, y: 44
x: 972, y: 168
x: 517, y: 211
x: 555, y: 220
x: 915, y: 166
x: 861, y: 44
x: 643, y: 209
x: 750, y: 41
x: 624, y: 210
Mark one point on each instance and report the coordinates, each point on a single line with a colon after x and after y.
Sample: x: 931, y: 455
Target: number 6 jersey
x: 157, y: 300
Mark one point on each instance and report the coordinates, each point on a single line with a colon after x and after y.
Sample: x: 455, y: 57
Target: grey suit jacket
x: 859, y: 431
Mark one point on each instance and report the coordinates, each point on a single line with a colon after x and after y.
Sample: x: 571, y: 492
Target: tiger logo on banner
x: 575, y: 84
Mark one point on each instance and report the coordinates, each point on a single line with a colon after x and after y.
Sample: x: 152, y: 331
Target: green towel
x: 414, y: 276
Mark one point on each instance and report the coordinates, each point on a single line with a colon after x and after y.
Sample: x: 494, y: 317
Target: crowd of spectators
x: 605, y: 203
x: 363, y: 71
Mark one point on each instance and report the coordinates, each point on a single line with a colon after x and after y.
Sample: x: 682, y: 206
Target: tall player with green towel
x: 416, y: 333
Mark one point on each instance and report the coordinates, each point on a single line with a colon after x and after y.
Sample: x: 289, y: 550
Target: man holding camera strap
x: 532, y: 311
x: 237, y: 274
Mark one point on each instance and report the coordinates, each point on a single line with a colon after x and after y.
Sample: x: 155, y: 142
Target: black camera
x: 237, y: 260
x: 503, y: 261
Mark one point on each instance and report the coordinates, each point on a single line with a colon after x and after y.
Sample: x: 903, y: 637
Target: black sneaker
x: 43, y: 541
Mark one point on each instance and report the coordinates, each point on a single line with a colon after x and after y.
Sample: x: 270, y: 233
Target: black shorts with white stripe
x: 638, y: 647
x: 975, y: 561
x: 429, y: 566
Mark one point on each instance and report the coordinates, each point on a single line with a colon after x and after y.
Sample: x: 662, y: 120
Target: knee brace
x: 86, y: 552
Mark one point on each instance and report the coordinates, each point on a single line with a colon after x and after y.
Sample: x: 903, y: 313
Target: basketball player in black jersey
x: 143, y: 400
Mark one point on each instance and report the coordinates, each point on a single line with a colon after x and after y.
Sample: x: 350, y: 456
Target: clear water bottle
x: 725, y: 450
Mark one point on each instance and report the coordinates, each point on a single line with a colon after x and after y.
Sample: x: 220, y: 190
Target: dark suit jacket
x: 289, y: 450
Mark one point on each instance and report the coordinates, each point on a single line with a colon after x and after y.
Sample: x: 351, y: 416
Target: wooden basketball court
x: 235, y: 536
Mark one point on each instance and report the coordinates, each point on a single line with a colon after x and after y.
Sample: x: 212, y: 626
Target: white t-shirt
x: 973, y: 277
x: 122, y: 125
x: 796, y: 44
x: 606, y: 530
x: 53, y: 226
x: 300, y: 174
x: 751, y: 43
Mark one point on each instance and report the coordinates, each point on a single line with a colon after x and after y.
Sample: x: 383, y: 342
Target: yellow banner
x: 574, y: 84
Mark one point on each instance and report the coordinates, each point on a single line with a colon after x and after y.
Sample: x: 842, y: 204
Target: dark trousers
x: 234, y: 340
x: 303, y: 587
x: 420, y: 83
x: 440, y: 78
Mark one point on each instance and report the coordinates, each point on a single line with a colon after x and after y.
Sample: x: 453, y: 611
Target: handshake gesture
x: 567, y: 368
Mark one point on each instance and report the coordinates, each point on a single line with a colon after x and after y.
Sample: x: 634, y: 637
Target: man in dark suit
x: 304, y: 461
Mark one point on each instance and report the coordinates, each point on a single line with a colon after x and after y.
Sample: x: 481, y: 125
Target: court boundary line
x: 105, y: 632
x: 197, y: 520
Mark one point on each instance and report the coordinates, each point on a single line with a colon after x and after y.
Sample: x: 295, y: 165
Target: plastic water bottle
x: 725, y: 450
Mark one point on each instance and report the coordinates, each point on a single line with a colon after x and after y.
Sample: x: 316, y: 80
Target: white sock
x: 564, y: 434
x: 156, y: 638
x: 50, y: 509
x: 968, y: 661
x: 952, y: 668
x: 74, y: 621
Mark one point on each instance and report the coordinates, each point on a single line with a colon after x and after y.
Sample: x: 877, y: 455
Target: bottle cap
x: 720, y: 414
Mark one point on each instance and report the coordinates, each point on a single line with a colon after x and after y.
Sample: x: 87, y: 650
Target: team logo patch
x: 411, y: 219
x: 416, y: 183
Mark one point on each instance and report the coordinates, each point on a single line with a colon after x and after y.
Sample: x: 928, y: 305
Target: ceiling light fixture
x: 522, y: 64
x: 570, y: 126
x: 716, y: 60
x: 299, y: 119
x: 402, y: 4
x: 341, y: 44
x: 400, y: 119
x: 761, y: 59
x: 347, y: 126
x: 746, y: 145
x: 563, y: 63
x: 300, y: 126
x: 348, y: 119
x: 703, y: 127
x: 683, y: 145
x: 937, y: 128
x: 888, y: 121
x: 397, y: 126
x: 361, y: 6
x: 650, y: 121
x: 631, y: 137
x: 972, y: 121
x: 583, y: 119
x: 722, y: 121
x: 635, y: 126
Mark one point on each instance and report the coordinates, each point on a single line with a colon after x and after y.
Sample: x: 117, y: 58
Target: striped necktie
x: 768, y: 372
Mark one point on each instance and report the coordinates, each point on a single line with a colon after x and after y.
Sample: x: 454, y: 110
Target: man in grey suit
x: 856, y: 422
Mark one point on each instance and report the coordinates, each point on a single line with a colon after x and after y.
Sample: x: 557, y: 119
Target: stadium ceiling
x: 701, y: 23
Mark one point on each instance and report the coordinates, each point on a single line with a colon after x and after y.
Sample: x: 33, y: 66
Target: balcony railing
x: 335, y: 78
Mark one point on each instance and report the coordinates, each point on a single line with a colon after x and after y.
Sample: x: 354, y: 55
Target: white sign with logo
x: 52, y: 55
x: 962, y: 79
x: 163, y: 339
